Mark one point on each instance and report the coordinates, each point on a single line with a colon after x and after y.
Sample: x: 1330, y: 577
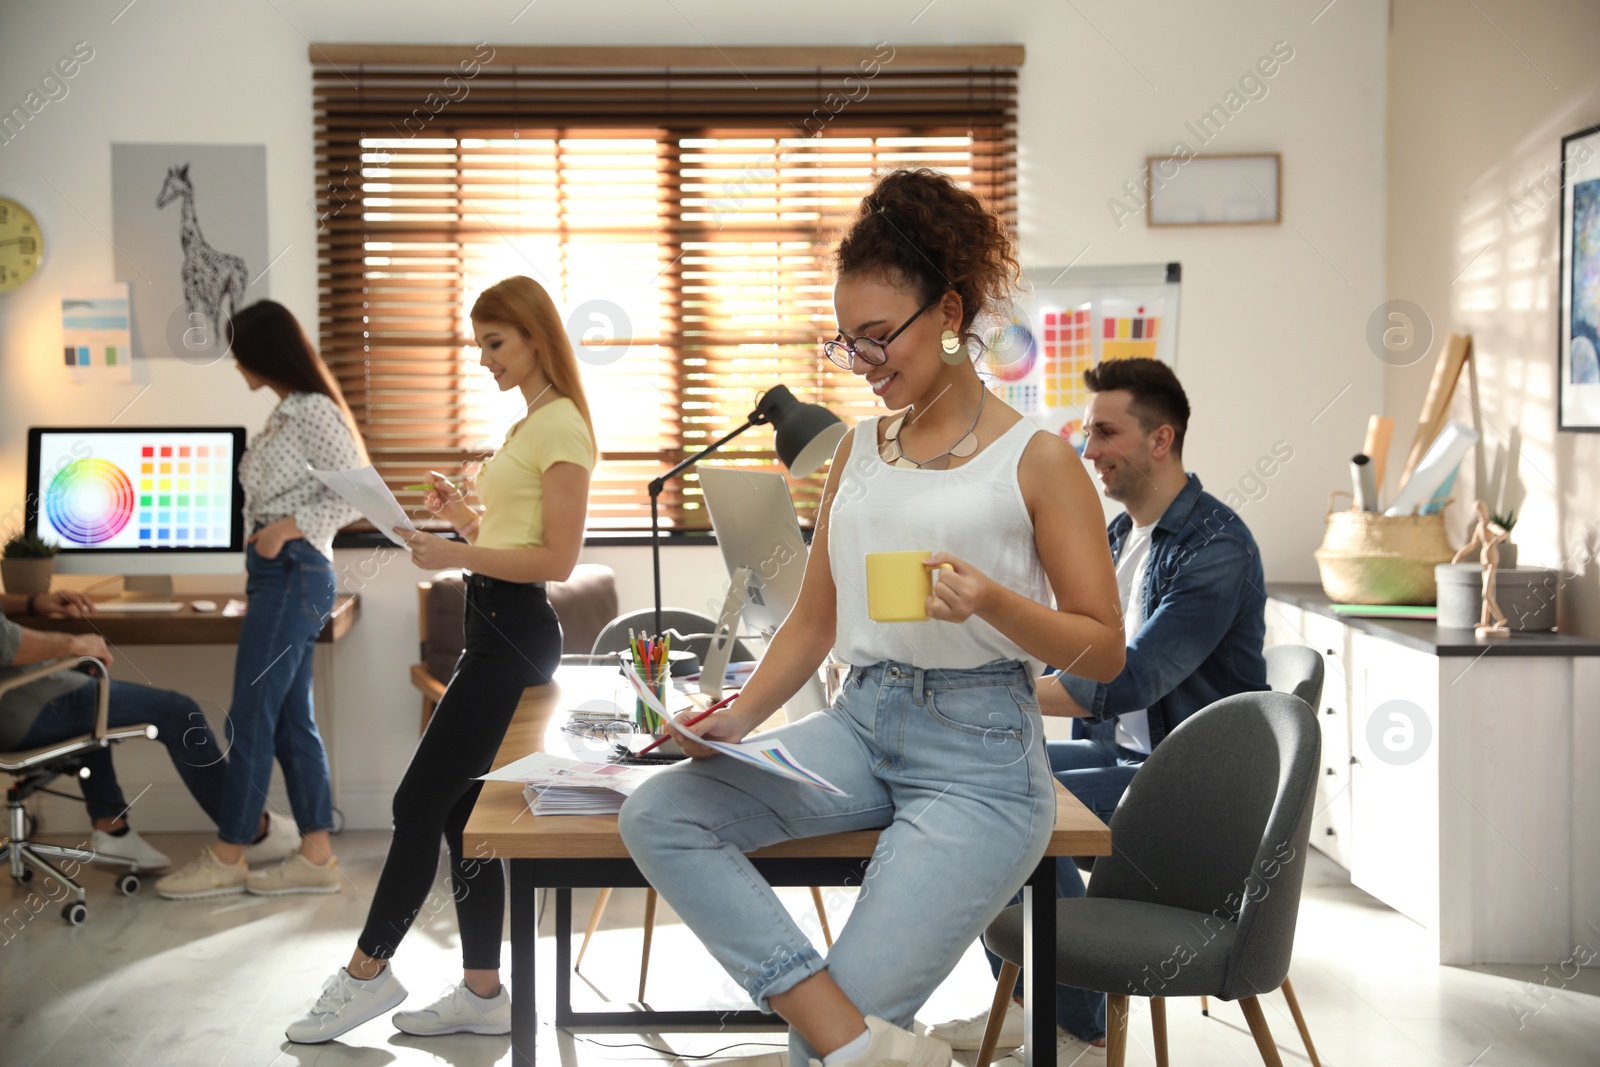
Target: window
x: 681, y: 220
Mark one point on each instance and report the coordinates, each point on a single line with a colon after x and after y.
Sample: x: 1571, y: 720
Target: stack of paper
x: 559, y: 785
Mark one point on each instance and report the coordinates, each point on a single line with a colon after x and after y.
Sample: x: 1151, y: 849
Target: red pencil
x: 718, y: 706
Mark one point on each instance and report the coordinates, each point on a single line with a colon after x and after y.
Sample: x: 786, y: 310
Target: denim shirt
x: 1204, y: 617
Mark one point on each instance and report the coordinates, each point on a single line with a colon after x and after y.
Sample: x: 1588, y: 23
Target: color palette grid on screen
x: 184, y: 495
x: 128, y: 490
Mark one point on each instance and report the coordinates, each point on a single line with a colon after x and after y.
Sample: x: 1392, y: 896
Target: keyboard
x: 153, y: 607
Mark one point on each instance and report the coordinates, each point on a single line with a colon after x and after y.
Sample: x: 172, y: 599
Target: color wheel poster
x: 1068, y: 321
x: 121, y: 491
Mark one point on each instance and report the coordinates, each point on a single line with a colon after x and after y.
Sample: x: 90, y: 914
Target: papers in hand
x: 364, y: 490
x: 559, y: 785
x: 771, y: 755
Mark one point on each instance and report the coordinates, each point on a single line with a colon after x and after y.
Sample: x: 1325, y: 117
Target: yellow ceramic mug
x: 898, y: 586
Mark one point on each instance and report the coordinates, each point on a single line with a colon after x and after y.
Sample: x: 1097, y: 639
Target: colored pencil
x: 718, y: 706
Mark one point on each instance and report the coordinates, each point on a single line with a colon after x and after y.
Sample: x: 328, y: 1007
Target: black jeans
x: 513, y: 640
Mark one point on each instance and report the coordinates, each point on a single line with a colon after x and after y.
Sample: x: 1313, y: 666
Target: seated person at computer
x: 1194, y: 601
x: 63, y: 705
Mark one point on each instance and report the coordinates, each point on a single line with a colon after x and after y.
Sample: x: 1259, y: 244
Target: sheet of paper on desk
x: 771, y: 755
x: 364, y: 489
x: 560, y: 785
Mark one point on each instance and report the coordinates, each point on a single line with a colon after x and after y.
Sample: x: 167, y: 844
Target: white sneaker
x: 346, y: 1002
x: 890, y: 1044
x: 202, y: 877
x: 968, y: 1033
x: 283, y: 837
x: 129, y: 848
x: 1069, y: 1051
x: 460, y: 1011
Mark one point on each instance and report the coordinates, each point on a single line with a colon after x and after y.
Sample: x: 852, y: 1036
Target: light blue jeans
x: 949, y: 762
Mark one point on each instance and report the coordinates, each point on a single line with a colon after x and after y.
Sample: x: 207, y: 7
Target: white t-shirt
x: 1133, y: 727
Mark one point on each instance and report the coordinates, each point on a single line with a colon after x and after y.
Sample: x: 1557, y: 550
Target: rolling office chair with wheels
x: 698, y: 632
x: 33, y: 770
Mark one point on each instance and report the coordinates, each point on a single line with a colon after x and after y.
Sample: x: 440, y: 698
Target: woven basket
x: 1370, y: 558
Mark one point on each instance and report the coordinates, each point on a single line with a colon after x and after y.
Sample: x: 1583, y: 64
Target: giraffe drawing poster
x: 189, y: 223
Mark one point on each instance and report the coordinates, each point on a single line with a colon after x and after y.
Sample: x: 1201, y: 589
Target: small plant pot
x: 1508, y: 554
x: 26, y: 577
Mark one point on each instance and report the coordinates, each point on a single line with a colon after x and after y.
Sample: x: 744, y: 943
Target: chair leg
x: 1259, y: 1030
x: 822, y: 915
x: 650, y: 898
x: 600, y: 901
x: 1116, y: 1029
x: 1300, y: 1021
x: 1158, y: 1028
x: 1205, y: 1006
x: 997, y: 1012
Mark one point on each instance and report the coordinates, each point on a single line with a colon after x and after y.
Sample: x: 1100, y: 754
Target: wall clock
x: 21, y: 244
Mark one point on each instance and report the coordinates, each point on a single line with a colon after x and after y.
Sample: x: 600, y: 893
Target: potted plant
x: 1508, y: 551
x: 27, y: 565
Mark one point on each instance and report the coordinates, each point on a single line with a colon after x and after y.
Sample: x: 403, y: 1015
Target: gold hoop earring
x: 951, y: 348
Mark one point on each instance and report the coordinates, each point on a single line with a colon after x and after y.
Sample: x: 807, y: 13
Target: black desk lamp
x: 806, y: 435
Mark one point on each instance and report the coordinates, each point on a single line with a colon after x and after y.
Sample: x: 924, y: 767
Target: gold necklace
x: 966, y: 445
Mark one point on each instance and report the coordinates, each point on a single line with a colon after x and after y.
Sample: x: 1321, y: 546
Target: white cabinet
x: 1460, y: 783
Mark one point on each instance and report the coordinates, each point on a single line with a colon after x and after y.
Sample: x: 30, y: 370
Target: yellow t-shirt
x: 511, y: 485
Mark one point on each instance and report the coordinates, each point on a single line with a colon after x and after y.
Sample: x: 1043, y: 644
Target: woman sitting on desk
x: 292, y: 518
x: 935, y: 735
x: 535, y: 495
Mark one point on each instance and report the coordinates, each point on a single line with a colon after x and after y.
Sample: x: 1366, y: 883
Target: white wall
x: 1271, y: 345
x: 1476, y: 121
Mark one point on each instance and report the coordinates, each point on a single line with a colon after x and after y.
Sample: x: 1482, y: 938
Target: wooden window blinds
x: 679, y: 205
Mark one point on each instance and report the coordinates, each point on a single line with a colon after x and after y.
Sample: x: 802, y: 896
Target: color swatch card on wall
x: 96, y: 334
x: 155, y: 490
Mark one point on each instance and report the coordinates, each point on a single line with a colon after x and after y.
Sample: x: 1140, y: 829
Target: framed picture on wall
x: 1578, y: 365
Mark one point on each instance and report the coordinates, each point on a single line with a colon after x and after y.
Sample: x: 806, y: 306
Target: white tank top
x: 974, y: 512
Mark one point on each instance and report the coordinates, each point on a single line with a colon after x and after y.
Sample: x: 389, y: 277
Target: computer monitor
x: 148, y: 502
x: 754, y: 520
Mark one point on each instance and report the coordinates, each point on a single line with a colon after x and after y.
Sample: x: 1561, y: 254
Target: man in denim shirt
x: 1194, y: 597
x: 1194, y: 602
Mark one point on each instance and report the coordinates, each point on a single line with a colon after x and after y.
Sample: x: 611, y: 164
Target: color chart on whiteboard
x: 144, y: 489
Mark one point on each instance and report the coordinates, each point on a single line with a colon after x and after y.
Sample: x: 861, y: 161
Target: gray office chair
x: 31, y: 771
x: 1295, y: 669
x: 696, y: 630
x: 1202, y: 890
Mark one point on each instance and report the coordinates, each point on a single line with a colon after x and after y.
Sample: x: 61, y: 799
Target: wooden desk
x: 185, y: 627
x: 572, y: 851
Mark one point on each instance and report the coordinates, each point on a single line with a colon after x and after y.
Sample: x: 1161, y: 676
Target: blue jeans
x: 290, y: 597
x: 183, y: 730
x: 1096, y: 770
x: 949, y: 763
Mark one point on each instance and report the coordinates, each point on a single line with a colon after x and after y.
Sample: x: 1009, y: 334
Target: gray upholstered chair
x: 697, y: 630
x: 1296, y: 669
x: 1202, y: 890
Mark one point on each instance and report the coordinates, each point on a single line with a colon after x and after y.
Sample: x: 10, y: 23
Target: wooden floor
x: 153, y: 982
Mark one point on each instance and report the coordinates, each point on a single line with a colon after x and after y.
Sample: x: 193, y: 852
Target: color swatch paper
x: 96, y: 336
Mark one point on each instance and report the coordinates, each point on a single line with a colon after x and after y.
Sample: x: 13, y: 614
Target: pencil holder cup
x: 644, y: 719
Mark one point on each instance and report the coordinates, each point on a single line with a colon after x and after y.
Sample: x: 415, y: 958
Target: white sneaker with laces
x: 138, y: 852
x: 892, y: 1045
x: 1069, y: 1051
x: 460, y: 1011
x: 968, y: 1033
x: 283, y: 837
x: 346, y: 1002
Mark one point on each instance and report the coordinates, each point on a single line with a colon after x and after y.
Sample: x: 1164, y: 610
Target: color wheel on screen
x: 90, y: 501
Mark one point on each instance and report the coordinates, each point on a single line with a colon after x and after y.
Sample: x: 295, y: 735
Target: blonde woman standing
x: 534, y: 493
